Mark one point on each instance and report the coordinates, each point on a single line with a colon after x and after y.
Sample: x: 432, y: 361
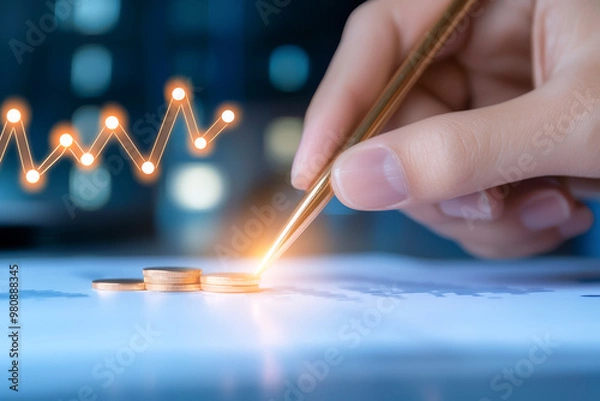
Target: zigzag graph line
x: 67, y: 144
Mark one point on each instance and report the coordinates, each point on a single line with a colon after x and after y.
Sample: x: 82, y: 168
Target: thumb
x: 552, y: 131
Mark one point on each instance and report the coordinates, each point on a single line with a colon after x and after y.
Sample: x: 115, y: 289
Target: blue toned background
x: 124, y: 51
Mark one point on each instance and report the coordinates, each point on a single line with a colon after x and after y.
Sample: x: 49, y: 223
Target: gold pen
x: 320, y: 193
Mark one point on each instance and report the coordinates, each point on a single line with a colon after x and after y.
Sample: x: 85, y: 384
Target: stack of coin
x: 119, y: 284
x: 230, y: 282
x: 176, y: 279
x: 172, y: 279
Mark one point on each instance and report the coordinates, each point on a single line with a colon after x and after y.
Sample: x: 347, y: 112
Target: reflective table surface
x: 360, y: 327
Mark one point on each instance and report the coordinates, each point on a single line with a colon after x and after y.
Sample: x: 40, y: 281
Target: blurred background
x: 68, y: 58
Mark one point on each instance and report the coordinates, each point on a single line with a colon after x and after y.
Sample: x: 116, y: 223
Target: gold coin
x: 230, y: 279
x: 171, y: 272
x: 120, y: 284
x: 173, y: 287
x: 171, y: 280
x: 230, y: 289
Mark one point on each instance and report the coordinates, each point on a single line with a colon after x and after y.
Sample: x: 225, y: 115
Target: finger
x: 540, y: 242
x: 576, y: 23
x: 534, y: 210
x: 481, y: 206
x: 540, y: 203
x: 457, y: 154
x: 537, y: 244
x: 376, y: 38
x: 448, y: 81
x: 580, y: 223
x: 534, y: 207
x: 441, y: 90
x: 584, y: 189
x: 420, y: 104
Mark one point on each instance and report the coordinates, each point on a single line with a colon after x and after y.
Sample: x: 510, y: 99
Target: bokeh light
x: 289, y: 68
x: 90, y: 189
x: 197, y: 186
x: 86, y: 120
x: 94, y: 17
x: 91, y: 71
x: 282, y: 138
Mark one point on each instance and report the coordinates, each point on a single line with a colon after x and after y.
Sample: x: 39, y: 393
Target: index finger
x: 377, y: 36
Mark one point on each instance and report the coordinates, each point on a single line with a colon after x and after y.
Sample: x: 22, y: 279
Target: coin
x: 230, y: 289
x: 171, y: 275
x: 176, y: 279
x: 166, y: 279
x: 230, y: 279
x: 120, y: 284
x: 173, y: 287
x: 171, y: 272
x: 230, y: 282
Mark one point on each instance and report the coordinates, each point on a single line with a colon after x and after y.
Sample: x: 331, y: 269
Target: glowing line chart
x: 65, y: 137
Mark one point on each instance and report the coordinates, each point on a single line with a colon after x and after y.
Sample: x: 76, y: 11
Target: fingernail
x: 581, y: 221
x: 295, y: 177
x: 369, y: 179
x: 546, y: 210
x: 474, y: 207
x: 297, y: 167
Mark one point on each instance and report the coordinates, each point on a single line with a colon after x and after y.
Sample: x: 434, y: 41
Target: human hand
x: 511, y: 102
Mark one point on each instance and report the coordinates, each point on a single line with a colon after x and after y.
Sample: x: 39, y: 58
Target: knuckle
x: 357, y: 17
x: 449, y: 158
x: 576, y: 122
x: 463, y: 149
x: 361, y: 14
x: 584, y: 112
